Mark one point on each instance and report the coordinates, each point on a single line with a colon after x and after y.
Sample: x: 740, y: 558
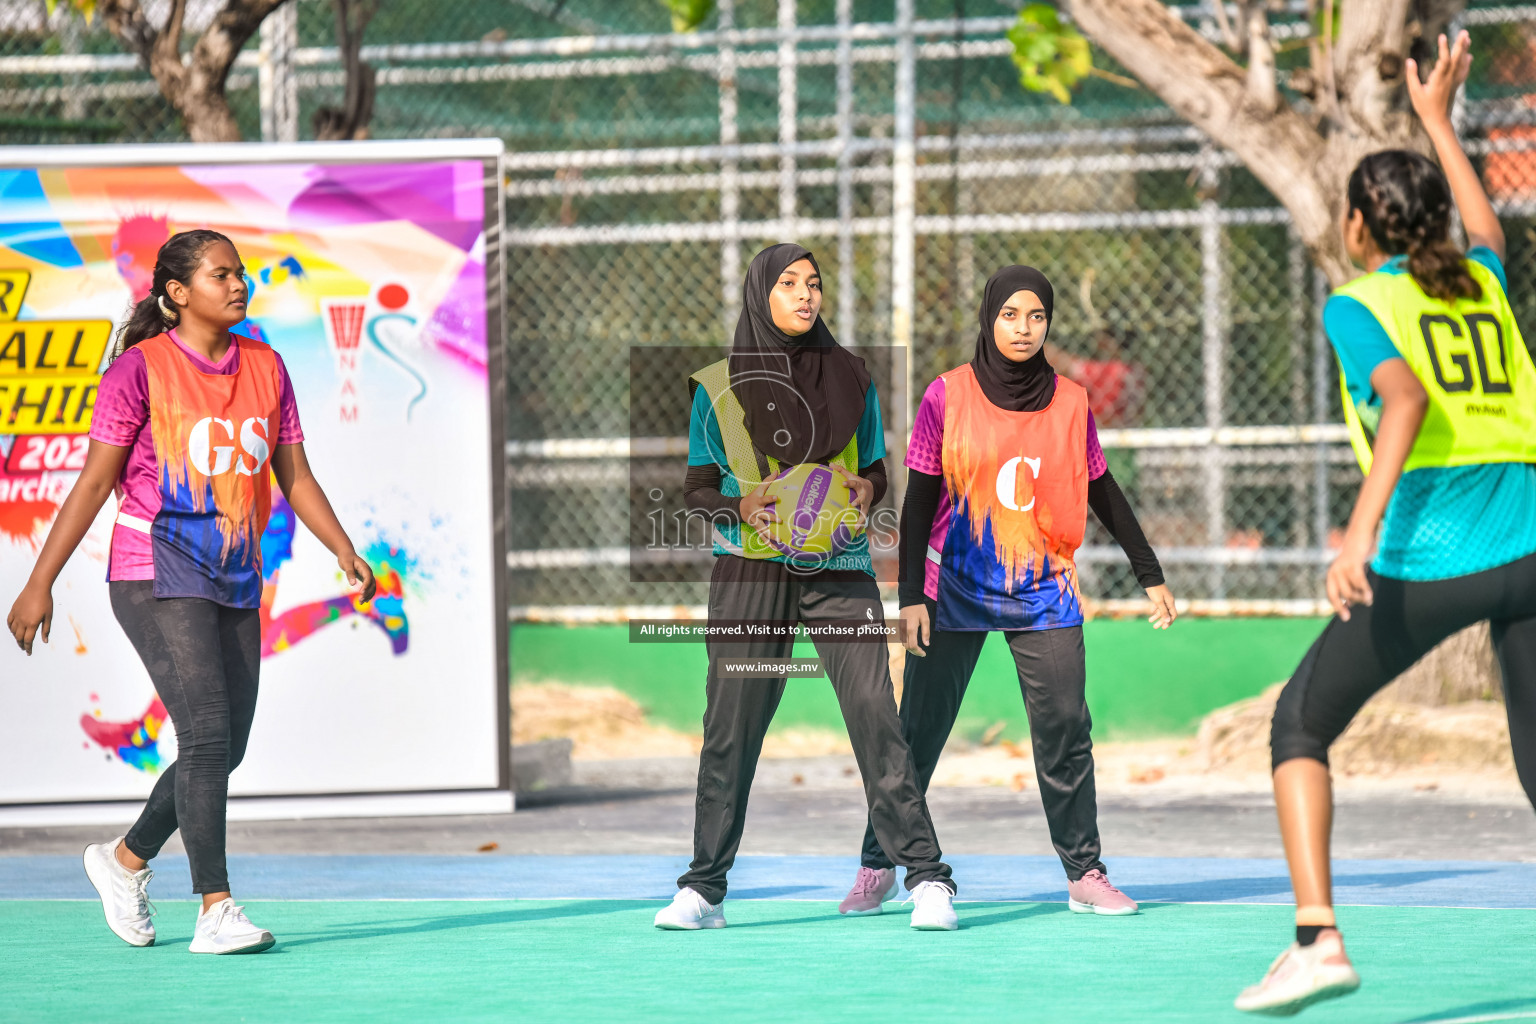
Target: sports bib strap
x: 749, y: 466
x: 1474, y: 366
x: 134, y: 522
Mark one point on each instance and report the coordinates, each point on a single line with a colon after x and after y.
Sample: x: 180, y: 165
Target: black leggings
x: 1352, y: 660
x: 1052, y: 675
x: 204, y: 660
x: 738, y: 710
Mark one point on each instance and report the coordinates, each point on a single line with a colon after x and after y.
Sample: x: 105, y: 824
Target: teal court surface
x: 469, y: 938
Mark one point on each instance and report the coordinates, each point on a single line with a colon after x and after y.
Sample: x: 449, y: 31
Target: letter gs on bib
x: 211, y: 450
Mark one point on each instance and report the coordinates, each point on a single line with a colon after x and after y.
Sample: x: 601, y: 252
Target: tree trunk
x: 193, y: 84
x: 350, y: 120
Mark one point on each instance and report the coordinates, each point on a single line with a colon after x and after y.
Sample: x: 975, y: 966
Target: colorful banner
x: 371, y: 280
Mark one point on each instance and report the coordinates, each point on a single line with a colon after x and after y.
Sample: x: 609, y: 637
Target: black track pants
x: 738, y: 711
x: 1352, y: 660
x: 1052, y: 675
x: 204, y: 660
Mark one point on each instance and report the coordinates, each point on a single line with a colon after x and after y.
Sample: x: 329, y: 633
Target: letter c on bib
x: 1008, y: 482
x: 200, y: 445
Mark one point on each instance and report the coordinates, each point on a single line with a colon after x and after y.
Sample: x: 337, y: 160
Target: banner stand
x: 274, y: 808
x: 377, y: 275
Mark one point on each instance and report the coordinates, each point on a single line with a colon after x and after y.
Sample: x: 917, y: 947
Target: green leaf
x: 688, y: 15
x: 85, y: 7
x: 1051, y: 56
x: 1319, y: 16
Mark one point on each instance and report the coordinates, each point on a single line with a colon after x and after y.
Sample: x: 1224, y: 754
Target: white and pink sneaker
x: 1092, y: 894
x: 1301, y: 976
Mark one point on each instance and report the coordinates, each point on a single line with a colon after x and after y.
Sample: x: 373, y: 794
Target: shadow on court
x: 774, y: 892
x: 1218, y: 890
x: 1490, y: 1010
x: 973, y: 915
x: 455, y: 922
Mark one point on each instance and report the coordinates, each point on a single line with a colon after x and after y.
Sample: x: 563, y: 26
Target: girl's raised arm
x: 1432, y: 101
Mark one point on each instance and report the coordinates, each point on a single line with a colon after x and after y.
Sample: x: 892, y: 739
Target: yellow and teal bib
x: 1473, y: 363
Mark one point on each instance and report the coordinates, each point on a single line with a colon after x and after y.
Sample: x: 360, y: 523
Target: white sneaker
x: 689, y: 912
x: 1301, y: 976
x: 933, y: 908
x: 123, y: 898
x: 224, y: 928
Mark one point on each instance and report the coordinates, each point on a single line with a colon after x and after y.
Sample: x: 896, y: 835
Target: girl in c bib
x: 191, y: 423
x: 1004, y: 463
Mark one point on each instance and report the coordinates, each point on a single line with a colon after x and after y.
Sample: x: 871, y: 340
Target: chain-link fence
x: 893, y: 139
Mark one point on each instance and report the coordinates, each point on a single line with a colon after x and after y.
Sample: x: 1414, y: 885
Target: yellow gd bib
x: 749, y: 466
x: 1474, y: 366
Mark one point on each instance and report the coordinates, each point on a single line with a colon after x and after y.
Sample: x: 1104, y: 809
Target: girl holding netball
x: 787, y: 395
x: 190, y: 425
x: 1004, y: 464
x: 1441, y: 405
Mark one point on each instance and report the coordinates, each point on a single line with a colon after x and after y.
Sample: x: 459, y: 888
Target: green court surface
x: 600, y: 960
x: 1141, y: 681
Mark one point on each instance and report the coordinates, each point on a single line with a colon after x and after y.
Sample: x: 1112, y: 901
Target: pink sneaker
x: 870, y: 891
x: 1092, y: 894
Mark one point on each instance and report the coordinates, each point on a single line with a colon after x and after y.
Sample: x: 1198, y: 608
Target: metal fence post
x: 277, y: 84
x: 1322, y: 385
x: 1213, y: 358
x: 1296, y: 265
x: 904, y: 212
x: 730, y: 192
x: 847, y: 281
x: 788, y: 114
x: 69, y: 29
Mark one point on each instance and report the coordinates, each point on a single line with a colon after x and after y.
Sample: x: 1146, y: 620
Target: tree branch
x: 125, y: 19
x: 1373, y: 38
x: 350, y: 120
x: 1211, y: 92
x: 1334, y: 109
x: 1262, y: 85
x: 1233, y: 41
x: 167, y: 49
x: 221, y: 42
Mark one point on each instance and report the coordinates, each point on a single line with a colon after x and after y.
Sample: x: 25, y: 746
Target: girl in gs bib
x: 190, y: 426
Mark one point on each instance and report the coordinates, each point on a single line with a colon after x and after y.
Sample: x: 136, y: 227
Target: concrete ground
x: 814, y: 806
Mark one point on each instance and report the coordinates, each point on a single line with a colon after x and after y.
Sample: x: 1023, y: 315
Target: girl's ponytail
x: 1440, y: 268
x: 177, y: 260
x: 145, y: 320
x: 1406, y: 203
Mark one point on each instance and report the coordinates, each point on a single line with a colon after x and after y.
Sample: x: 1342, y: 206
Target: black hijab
x: 803, y: 396
x: 1017, y: 387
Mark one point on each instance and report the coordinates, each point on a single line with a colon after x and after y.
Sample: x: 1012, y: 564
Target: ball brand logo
x: 254, y: 446
x: 1008, y: 482
x: 812, y: 496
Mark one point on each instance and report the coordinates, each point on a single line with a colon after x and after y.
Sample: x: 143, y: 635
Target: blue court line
x: 1491, y: 884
